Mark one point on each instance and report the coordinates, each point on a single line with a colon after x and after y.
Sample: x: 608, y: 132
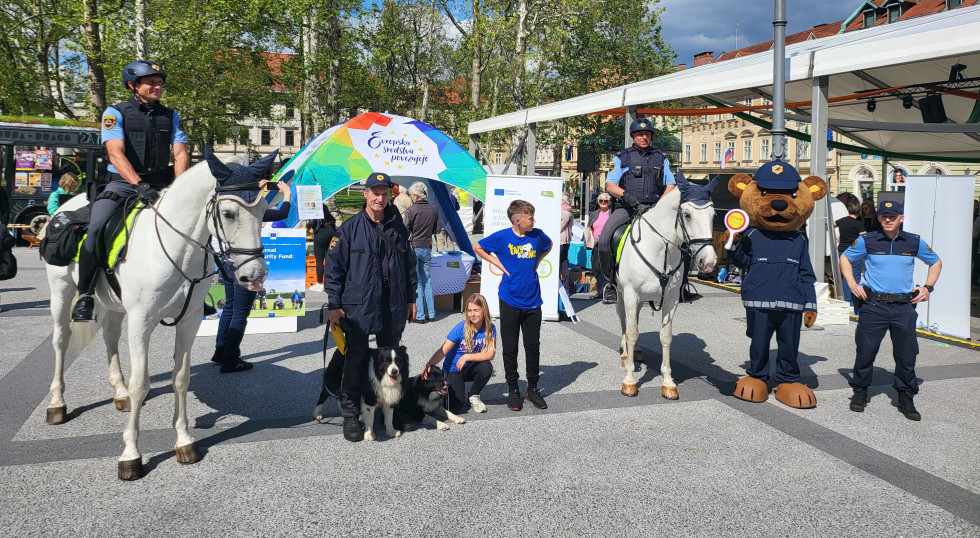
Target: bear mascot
x: 777, y: 290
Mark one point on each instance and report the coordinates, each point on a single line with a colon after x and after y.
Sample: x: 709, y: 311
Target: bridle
x: 690, y: 247
x: 220, y: 255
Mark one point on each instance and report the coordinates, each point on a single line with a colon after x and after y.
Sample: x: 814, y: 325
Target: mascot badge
x: 777, y: 291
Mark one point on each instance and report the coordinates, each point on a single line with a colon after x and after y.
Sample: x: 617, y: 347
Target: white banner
x: 544, y: 193
x: 309, y: 202
x: 940, y: 210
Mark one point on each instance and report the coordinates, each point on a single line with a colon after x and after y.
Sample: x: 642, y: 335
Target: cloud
x: 695, y: 26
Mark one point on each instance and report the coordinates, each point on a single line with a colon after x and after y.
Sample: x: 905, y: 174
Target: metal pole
x: 779, y: 81
x: 532, y: 148
x: 630, y: 116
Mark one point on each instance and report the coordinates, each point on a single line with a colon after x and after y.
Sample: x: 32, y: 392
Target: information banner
x: 544, y: 193
x: 283, y: 297
x: 309, y: 199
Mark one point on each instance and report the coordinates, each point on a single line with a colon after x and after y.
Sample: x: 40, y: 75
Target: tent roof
x: 915, y: 51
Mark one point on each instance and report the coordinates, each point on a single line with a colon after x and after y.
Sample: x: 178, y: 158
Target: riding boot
x: 84, y: 309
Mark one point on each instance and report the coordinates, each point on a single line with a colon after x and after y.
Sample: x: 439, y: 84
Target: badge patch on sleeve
x: 334, y: 242
x: 109, y: 122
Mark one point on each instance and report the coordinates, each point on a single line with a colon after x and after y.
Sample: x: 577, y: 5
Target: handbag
x: 588, y: 238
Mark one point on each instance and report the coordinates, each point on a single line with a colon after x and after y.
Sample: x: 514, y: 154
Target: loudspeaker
x: 932, y: 108
x: 586, y: 160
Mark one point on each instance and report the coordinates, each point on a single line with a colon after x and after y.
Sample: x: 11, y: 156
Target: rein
x: 663, y: 275
x: 218, y: 255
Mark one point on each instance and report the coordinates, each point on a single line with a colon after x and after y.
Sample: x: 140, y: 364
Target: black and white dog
x: 386, y: 373
x: 423, y: 397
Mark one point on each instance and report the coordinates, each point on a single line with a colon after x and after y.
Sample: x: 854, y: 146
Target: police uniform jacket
x: 148, y: 133
x: 890, y: 264
x: 644, y: 172
x: 780, y: 275
x: 355, y: 274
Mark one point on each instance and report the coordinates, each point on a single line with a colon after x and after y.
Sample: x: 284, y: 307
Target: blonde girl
x: 466, y: 356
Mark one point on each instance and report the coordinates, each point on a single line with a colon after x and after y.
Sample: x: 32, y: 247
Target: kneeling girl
x: 466, y: 356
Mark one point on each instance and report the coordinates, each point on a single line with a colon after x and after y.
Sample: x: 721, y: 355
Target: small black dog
x: 423, y: 397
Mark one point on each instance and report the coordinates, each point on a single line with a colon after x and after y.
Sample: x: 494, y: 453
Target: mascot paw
x: 809, y: 318
x: 751, y: 389
x: 796, y: 395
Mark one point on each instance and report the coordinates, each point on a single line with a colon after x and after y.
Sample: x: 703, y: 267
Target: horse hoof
x: 57, y: 415
x: 123, y: 404
x: 131, y: 469
x: 187, y: 454
x: 629, y: 389
x: 669, y: 392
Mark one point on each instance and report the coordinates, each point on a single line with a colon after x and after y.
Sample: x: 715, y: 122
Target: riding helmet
x: 139, y: 69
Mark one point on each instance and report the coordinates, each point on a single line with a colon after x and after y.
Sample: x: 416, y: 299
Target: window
x: 766, y: 101
x: 704, y: 152
x: 950, y: 4
x: 687, y: 153
x: 747, y: 150
x: 719, y: 117
x: 764, y: 149
x: 290, y: 112
x: 731, y: 116
x: 748, y: 101
x: 704, y: 119
x: 498, y: 158
x: 687, y: 120
x: 894, y: 12
x: 731, y: 146
x: 802, y: 150
x: 290, y: 137
x: 869, y: 18
x: 717, y: 151
x: 266, y: 137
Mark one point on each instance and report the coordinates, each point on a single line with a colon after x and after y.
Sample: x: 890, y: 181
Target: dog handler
x: 138, y: 135
x: 371, y: 281
x: 889, y: 303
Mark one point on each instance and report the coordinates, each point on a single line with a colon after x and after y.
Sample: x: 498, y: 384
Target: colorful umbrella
x: 373, y: 142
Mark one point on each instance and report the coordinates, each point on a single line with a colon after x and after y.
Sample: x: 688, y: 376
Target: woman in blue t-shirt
x: 466, y: 356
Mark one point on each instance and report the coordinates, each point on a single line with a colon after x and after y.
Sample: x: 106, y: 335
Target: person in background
x: 422, y: 222
x: 597, y: 220
x: 323, y: 231
x: 849, y: 229
x: 297, y: 300
x: 444, y: 240
x: 466, y: 356
x: 565, y: 240
x: 869, y: 217
x: 66, y: 185
x: 401, y: 200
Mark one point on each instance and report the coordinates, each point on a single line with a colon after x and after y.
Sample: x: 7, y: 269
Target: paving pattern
x: 594, y: 463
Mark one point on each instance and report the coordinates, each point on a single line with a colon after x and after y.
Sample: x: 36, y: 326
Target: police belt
x: 890, y: 297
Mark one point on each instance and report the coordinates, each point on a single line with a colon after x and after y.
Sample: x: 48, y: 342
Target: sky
x: 695, y: 26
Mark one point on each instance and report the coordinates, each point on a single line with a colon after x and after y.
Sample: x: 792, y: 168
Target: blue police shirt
x: 888, y: 264
x: 521, y: 289
x: 618, y: 170
x: 116, y: 131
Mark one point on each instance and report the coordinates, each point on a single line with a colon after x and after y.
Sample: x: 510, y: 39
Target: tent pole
x: 779, y: 81
x: 630, y: 117
x: 818, y: 167
x: 884, y: 174
x: 532, y: 148
x: 474, y: 142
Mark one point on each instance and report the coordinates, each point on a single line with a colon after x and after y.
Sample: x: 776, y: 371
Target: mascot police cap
x: 777, y: 175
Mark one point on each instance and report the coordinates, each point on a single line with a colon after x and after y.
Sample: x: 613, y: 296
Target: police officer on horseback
x: 640, y: 177
x: 138, y: 135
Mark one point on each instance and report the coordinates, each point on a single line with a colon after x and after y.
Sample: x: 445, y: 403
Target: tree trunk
x: 556, y: 152
x: 95, y: 58
x: 311, y: 122
x: 139, y: 27
x: 520, y: 55
x: 336, y: 66
x: 475, y: 36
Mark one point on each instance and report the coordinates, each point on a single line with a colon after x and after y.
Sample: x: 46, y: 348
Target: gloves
x: 630, y: 201
x: 148, y: 194
x: 809, y: 318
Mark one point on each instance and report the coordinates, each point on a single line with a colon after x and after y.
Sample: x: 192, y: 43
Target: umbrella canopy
x: 398, y: 146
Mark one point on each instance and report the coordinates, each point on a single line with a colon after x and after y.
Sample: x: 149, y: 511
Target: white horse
x: 651, y: 269
x: 166, y: 250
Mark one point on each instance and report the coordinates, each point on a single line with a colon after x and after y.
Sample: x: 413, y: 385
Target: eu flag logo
x: 498, y: 192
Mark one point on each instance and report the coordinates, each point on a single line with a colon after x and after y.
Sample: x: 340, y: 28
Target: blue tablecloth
x: 579, y: 255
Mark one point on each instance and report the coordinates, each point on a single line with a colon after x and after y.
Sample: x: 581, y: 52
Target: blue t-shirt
x: 890, y: 263
x: 618, y: 170
x: 521, y: 289
x: 114, y: 118
x: 297, y: 296
x: 458, y: 336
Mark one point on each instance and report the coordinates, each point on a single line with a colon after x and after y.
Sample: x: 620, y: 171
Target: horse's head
x: 695, y: 218
x: 235, y: 217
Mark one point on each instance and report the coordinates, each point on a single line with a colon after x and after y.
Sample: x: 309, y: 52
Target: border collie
x: 423, y: 397
x: 386, y: 373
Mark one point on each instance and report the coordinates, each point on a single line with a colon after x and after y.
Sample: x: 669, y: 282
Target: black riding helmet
x: 641, y: 124
x: 139, y: 69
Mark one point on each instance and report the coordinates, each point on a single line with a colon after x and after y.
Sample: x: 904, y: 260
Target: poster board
x: 285, y: 255
x: 544, y: 193
x: 940, y: 210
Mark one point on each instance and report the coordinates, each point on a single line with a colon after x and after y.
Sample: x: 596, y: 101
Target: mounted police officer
x: 640, y: 177
x: 138, y: 135
x: 889, y: 298
x: 371, y: 281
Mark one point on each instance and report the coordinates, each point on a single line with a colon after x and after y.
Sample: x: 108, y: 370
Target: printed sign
x: 44, y: 159
x: 24, y: 160
x: 309, y: 200
x: 34, y: 179
x: 20, y: 179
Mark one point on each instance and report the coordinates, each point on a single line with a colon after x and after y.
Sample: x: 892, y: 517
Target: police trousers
x: 899, y: 320
x: 357, y: 360
x: 761, y: 323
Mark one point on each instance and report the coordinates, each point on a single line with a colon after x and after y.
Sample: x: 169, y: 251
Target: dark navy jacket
x: 649, y: 184
x: 354, y: 276
x: 147, y: 141
x: 780, y: 275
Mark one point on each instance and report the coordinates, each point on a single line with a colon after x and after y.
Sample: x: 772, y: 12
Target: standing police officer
x: 371, y: 281
x: 889, y: 299
x: 138, y: 135
x: 640, y: 176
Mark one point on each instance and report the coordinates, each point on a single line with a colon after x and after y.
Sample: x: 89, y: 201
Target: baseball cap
x: 889, y: 206
x: 378, y: 178
x: 777, y: 175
